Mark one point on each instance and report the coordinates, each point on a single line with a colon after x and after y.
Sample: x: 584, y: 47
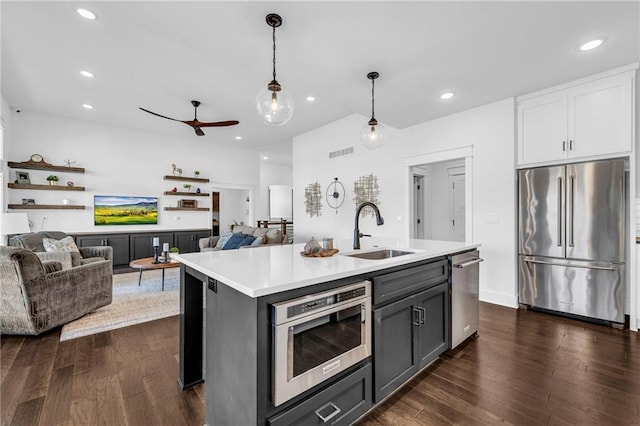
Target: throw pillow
x: 247, y: 241
x: 224, y: 237
x: 234, y: 242
x: 65, y: 244
x: 274, y: 236
x: 259, y: 240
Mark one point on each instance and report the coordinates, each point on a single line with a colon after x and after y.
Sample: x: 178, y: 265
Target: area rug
x: 132, y: 304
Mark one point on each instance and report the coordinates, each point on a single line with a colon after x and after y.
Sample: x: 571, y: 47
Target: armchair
x: 36, y: 296
x: 33, y: 242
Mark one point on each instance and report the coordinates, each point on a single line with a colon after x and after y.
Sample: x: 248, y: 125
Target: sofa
x: 37, y: 296
x: 34, y: 242
x: 263, y: 237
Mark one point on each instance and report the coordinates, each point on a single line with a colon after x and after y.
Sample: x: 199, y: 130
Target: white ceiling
x: 160, y: 55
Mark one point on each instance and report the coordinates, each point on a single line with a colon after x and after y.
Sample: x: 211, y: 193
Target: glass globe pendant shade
x: 274, y: 107
x: 373, y: 135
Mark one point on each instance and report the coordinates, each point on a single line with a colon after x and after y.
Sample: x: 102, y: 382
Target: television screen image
x: 125, y: 210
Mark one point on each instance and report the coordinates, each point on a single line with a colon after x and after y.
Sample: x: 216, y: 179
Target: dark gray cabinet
x: 342, y: 403
x: 411, y: 332
x: 187, y: 241
x: 394, y: 346
x: 433, y: 333
x: 119, y: 243
x: 128, y: 246
x: 141, y: 245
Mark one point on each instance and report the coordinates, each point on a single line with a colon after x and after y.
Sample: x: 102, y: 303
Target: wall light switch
x: 493, y: 219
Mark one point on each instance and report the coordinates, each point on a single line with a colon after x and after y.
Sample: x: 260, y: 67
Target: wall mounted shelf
x: 45, y: 187
x: 187, y: 194
x: 193, y: 209
x: 45, y: 207
x: 186, y: 179
x: 43, y: 166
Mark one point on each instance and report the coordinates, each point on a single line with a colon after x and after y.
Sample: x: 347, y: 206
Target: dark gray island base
x: 409, y: 328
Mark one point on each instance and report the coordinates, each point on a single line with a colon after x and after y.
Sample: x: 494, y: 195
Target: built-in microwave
x: 317, y: 336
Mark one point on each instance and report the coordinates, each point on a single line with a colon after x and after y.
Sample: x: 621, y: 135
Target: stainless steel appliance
x: 465, y: 273
x: 571, y: 240
x: 317, y: 336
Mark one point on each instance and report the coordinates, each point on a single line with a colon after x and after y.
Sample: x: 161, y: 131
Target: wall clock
x: 36, y: 158
x: 335, y: 194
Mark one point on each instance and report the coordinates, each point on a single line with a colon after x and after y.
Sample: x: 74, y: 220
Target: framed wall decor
x: 125, y: 210
x: 23, y: 178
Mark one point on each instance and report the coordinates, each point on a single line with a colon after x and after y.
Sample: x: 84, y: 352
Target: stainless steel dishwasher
x: 465, y: 280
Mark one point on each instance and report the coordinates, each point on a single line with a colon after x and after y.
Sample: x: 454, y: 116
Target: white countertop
x: 267, y: 270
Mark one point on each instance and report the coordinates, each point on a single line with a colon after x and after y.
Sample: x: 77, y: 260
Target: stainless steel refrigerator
x: 571, y: 238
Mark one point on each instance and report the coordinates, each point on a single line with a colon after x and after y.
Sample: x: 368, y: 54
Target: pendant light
x: 274, y: 104
x: 373, y: 134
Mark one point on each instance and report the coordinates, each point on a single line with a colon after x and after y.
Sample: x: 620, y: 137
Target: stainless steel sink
x: 379, y: 254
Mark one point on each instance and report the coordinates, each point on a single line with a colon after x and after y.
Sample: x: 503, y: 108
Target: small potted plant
x: 196, y: 173
x: 172, y: 251
x: 187, y: 186
x: 53, y: 180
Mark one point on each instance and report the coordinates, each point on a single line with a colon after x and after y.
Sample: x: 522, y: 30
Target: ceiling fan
x: 195, y: 123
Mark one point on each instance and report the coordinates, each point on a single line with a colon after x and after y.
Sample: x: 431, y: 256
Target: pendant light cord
x: 373, y: 82
x: 274, y: 52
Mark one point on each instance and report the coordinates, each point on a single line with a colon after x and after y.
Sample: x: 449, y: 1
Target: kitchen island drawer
x: 342, y: 403
x: 395, y: 285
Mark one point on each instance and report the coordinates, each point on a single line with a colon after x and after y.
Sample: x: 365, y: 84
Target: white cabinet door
x: 600, y: 117
x: 542, y: 128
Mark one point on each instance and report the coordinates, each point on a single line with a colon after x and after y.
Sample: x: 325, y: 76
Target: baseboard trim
x: 503, y: 299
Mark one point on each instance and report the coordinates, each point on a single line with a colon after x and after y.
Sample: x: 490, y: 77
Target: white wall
x: 119, y: 161
x: 234, y: 208
x: 271, y: 174
x: 489, y: 129
x: 311, y: 163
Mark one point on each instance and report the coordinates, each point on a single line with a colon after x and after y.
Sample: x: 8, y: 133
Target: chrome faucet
x: 356, y: 232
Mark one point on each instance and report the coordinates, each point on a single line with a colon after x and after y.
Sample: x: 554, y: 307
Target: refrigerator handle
x: 559, y: 211
x: 571, y: 209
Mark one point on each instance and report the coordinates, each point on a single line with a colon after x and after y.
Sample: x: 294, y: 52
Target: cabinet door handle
x: 564, y: 145
x: 415, y: 311
x: 423, y: 315
x: 570, y: 144
x: 334, y: 413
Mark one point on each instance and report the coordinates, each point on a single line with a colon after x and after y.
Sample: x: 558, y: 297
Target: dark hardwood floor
x: 526, y: 368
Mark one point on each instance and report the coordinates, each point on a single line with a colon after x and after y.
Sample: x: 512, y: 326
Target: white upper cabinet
x: 593, y: 118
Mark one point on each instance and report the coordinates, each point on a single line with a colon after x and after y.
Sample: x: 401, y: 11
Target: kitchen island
x: 408, y: 309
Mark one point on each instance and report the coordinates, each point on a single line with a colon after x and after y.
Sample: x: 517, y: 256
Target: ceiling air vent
x: 341, y: 152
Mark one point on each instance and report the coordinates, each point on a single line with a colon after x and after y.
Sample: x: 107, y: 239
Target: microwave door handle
x: 363, y: 313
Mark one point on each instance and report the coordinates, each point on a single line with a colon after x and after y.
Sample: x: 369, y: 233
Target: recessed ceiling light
x: 592, y: 44
x: 87, y: 14
x: 87, y: 73
x: 310, y: 98
x: 446, y: 95
x: 238, y: 138
x: 87, y: 106
x: 265, y: 158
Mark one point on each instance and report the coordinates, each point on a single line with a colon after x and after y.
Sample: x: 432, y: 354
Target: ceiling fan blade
x: 199, y: 131
x: 162, y: 116
x: 219, y: 123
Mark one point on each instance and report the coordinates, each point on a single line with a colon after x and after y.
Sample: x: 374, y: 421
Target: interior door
x: 418, y: 206
x: 457, y: 207
x: 541, y: 211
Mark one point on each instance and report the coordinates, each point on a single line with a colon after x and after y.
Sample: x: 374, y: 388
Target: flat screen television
x: 125, y: 210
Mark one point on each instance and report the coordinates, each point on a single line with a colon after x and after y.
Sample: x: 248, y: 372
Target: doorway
x: 231, y: 206
x: 439, y: 195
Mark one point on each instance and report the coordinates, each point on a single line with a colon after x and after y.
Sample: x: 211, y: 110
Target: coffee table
x: 146, y: 264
